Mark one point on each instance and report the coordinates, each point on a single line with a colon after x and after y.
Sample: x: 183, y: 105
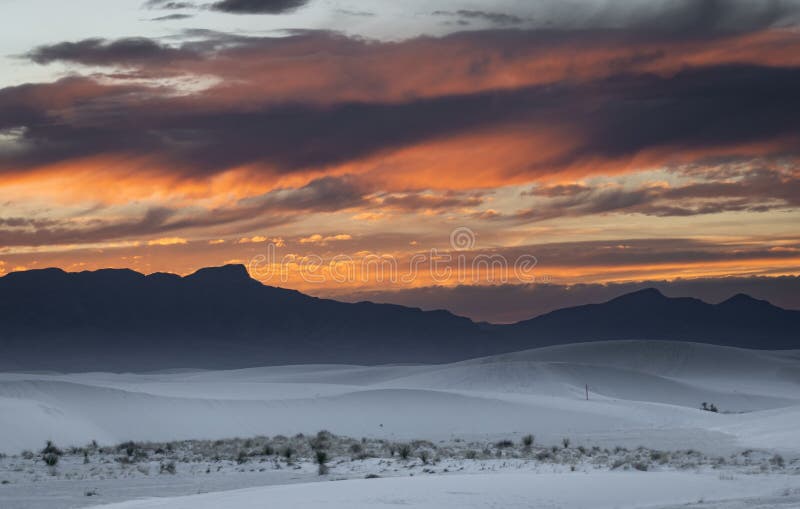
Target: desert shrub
x: 372, y: 476
x: 358, y: 449
x: 778, y: 461
x: 709, y: 407
x: 321, y: 441
x: 50, y: 448
x: 167, y: 468
x: 50, y: 459
x: 544, y: 455
x: 287, y: 452
x: 129, y: 447
x: 565, y: 442
x: 503, y: 444
x: 321, y: 458
x: 527, y: 441
x: 582, y: 449
x: 641, y: 466
x: 404, y: 451
x: 470, y: 454
x: 28, y: 455
x: 241, y: 457
x: 423, y: 455
x: 268, y: 450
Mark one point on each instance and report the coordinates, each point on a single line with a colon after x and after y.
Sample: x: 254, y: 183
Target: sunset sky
x: 621, y: 142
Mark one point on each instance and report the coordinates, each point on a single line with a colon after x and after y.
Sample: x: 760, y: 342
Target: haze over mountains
x: 221, y: 318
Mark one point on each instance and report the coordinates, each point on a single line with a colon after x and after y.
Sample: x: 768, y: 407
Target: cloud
x: 128, y: 51
x: 252, y: 240
x: 511, y: 107
x: 496, y: 18
x: 172, y: 17
x: 753, y: 189
x: 324, y: 240
x: 167, y: 241
x: 168, y: 5
x: 700, y: 111
x: 362, y: 14
x: 258, y: 6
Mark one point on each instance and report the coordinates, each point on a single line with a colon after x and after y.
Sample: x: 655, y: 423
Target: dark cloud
x: 497, y: 18
x: 101, y: 52
x: 514, y: 302
x: 677, y: 17
x: 258, y: 6
x: 48, y: 232
x: 695, y: 109
x: 362, y: 14
x: 756, y: 189
x: 321, y: 195
x: 168, y: 5
x: 703, y: 16
x: 172, y: 17
x: 430, y: 201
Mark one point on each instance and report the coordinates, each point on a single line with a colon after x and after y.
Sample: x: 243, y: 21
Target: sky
x: 497, y: 159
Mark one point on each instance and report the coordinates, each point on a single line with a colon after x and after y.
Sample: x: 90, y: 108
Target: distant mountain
x: 221, y: 318
x: 647, y: 314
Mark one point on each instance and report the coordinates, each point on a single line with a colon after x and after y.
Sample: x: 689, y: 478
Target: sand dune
x: 635, y: 386
x: 577, y: 491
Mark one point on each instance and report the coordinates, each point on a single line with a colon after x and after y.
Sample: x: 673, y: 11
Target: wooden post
x: 587, y: 392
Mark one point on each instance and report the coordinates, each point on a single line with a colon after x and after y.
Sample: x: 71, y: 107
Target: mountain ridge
x: 219, y: 317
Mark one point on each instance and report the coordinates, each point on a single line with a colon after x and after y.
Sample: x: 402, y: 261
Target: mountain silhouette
x: 740, y: 321
x: 219, y: 317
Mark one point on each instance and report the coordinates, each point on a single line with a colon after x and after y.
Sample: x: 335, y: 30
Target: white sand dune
x: 641, y: 393
x: 564, y: 491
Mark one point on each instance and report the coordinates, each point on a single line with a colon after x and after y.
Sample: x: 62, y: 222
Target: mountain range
x: 219, y: 317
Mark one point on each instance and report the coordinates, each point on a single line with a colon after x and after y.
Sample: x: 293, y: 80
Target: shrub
x: 321, y: 441
x: 404, y: 451
x: 167, y: 468
x: 50, y: 448
x: 503, y: 444
x: 129, y: 447
x: 778, y: 461
x: 241, y: 457
x: 320, y: 458
x: 565, y: 442
x: 50, y: 459
x: 268, y: 450
x: 287, y: 453
x: 423, y: 455
x: 470, y: 454
x: 358, y: 449
x: 527, y: 441
x: 640, y: 466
